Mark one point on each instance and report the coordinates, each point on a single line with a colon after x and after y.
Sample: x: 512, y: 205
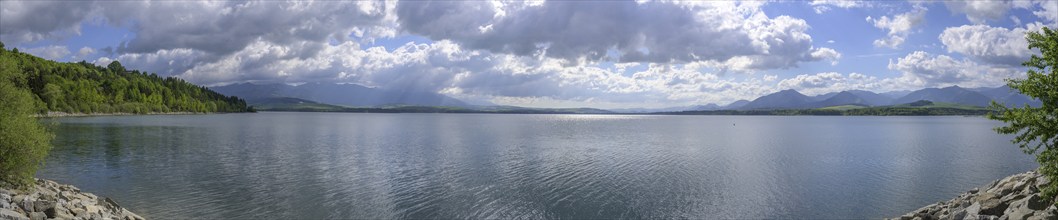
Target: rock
x: 1036, y: 202
x: 1042, y: 181
x: 990, y: 204
x: 37, y: 216
x: 49, y: 200
x: 1043, y: 216
x: 1018, y: 213
x: 92, y: 209
x: 43, y: 205
x: 79, y: 212
x: 54, y: 212
x: 6, y: 214
x: 27, y: 205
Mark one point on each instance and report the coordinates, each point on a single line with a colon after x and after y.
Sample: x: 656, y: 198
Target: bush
x: 23, y: 140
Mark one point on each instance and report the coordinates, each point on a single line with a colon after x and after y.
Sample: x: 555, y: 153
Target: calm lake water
x: 338, y: 165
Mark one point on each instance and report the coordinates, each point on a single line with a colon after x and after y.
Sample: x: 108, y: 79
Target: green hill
x: 86, y: 88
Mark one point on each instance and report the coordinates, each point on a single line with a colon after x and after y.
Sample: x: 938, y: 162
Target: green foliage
x: 1036, y: 128
x: 23, y: 140
x: 86, y: 88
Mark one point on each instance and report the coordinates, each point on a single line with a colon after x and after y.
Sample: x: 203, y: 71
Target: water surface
x: 336, y: 165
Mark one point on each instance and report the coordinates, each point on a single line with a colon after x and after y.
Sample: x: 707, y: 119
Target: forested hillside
x: 86, y: 88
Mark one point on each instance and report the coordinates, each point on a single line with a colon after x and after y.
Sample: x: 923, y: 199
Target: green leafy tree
x: 23, y: 140
x: 116, y: 67
x: 1036, y: 128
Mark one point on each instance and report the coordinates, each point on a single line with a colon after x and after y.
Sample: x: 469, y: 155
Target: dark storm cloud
x: 23, y: 21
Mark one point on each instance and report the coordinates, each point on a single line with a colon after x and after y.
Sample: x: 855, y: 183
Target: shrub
x: 24, y: 142
x: 1036, y: 128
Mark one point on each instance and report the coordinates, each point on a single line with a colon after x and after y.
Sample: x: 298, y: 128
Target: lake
x: 349, y: 165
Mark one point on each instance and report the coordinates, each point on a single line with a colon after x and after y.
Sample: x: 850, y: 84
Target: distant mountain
x: 871, y: 98
x: 786, y: 99
x: 516, y: 109
x: 953, y: 94
x: 707, y: 107
x: 842, y: 98
x: 338, y: 94
x: 822, y: 97
x: 1009, y: 97
x: 895, y: 94
x: 791, y: 99
x: 736, y: 104
x: 276, y: 103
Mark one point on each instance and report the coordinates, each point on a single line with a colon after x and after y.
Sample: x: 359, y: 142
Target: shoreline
x: 1013, y: 197
x: 46, y: 199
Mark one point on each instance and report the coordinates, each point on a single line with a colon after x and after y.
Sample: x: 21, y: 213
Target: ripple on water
x: 385, y: 166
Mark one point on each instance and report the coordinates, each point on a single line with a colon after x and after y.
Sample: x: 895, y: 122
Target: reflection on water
x: 324, y: 165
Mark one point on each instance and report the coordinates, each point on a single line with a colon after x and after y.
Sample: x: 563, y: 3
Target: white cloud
x: 83, y: 53
x: 980, y: 12
x: 1048, y: 11
x: 898, y: 26
x: 820, y: 83
x: 657, y: 32
x: 995, y: 45
x: 53, y: 52
x: 822, y: 6
x: 921, y: 69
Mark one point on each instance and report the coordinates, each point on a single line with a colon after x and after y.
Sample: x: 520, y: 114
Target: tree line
x: 84, y: 87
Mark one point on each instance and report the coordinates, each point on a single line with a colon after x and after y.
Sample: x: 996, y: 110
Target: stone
x: 43, y: 205
x: 54, y: 212
x: 990, y: 205
x: 1018, y: 213
x: 92, y: 209
x: 79, y: 212
x: 959, y: 214
x: 27, y: 205
x: 37, y: 216
x: 1012, y: 197
x: 64, y: 216
x: 1043, y: 216
x: 1036, y: 202
x: 6, y: 214
x: 1042, y: 181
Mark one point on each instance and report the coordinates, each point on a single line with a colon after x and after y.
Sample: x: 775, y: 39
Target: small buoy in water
x: 732, y: 124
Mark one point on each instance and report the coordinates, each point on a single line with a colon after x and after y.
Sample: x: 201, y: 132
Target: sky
x: 602, y: 54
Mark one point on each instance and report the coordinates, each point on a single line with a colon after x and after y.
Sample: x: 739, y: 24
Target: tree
x: 116, y: 67
x: 23, y: 140
x: 1036, y: 128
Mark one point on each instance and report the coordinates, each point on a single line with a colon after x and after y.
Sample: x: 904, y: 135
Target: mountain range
x: 330, y: 95
x: 351, y: 95
x: 791, y: 99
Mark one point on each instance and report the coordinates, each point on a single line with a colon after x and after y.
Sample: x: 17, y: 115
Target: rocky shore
x: 1013, y: 197
x: 50, y: 200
